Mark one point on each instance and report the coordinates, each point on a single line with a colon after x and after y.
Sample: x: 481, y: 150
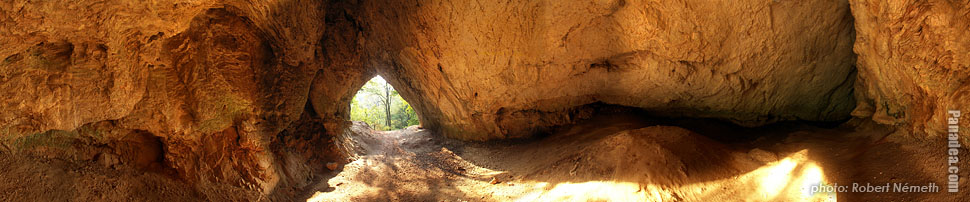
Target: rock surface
x: 914, y: 63
x: 214, y: 81
x: 251, y: 94
x: 487, y: 70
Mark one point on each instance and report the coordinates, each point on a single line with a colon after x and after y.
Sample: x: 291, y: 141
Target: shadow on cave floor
x: 624, y: 157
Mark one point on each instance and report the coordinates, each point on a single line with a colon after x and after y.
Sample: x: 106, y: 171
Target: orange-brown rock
x: 495, y: 69
x: 215, y: 81
x: 250, y: 93
x: 220, y: 82
x: 914, y: 63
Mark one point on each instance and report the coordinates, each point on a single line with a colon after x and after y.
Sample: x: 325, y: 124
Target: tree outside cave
x: 381, y: 107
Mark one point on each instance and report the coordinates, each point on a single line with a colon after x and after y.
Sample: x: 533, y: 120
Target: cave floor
x: 601, y: 160
x: 612, y: 158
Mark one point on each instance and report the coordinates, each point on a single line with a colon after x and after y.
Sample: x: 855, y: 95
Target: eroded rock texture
x: 496, y: 69
x: 250, y: 93
x: 343, y: 72
x: 214, y: 81
x: 914, y: 62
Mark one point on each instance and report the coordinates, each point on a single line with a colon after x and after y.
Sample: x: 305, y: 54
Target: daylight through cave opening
x: 379, y: 105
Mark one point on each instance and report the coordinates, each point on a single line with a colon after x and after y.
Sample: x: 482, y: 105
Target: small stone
x: 494, y: 181
x: 332, y: 166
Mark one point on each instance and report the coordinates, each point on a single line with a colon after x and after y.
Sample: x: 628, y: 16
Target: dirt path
x: 610, y: 158
x: 625, y: 158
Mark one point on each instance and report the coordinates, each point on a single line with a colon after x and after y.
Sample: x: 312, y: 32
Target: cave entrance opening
x: 382, y: 107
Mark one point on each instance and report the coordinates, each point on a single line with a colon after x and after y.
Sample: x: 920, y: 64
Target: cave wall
x: 914, y: 63
x: 490, y: 69
x: 250, y: 93
x: 343, y: 71
x: 214, y: 81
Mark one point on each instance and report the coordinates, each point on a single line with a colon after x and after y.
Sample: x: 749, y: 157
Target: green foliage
x: 52, y: 138
x: 382, y: 107
x: 55, y: 139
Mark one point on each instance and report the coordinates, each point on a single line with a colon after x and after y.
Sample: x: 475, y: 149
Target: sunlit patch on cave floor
x: 783, y: 180
x: 396, y: 172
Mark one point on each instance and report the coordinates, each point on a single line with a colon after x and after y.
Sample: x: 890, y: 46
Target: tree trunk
x: 387, y: 105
